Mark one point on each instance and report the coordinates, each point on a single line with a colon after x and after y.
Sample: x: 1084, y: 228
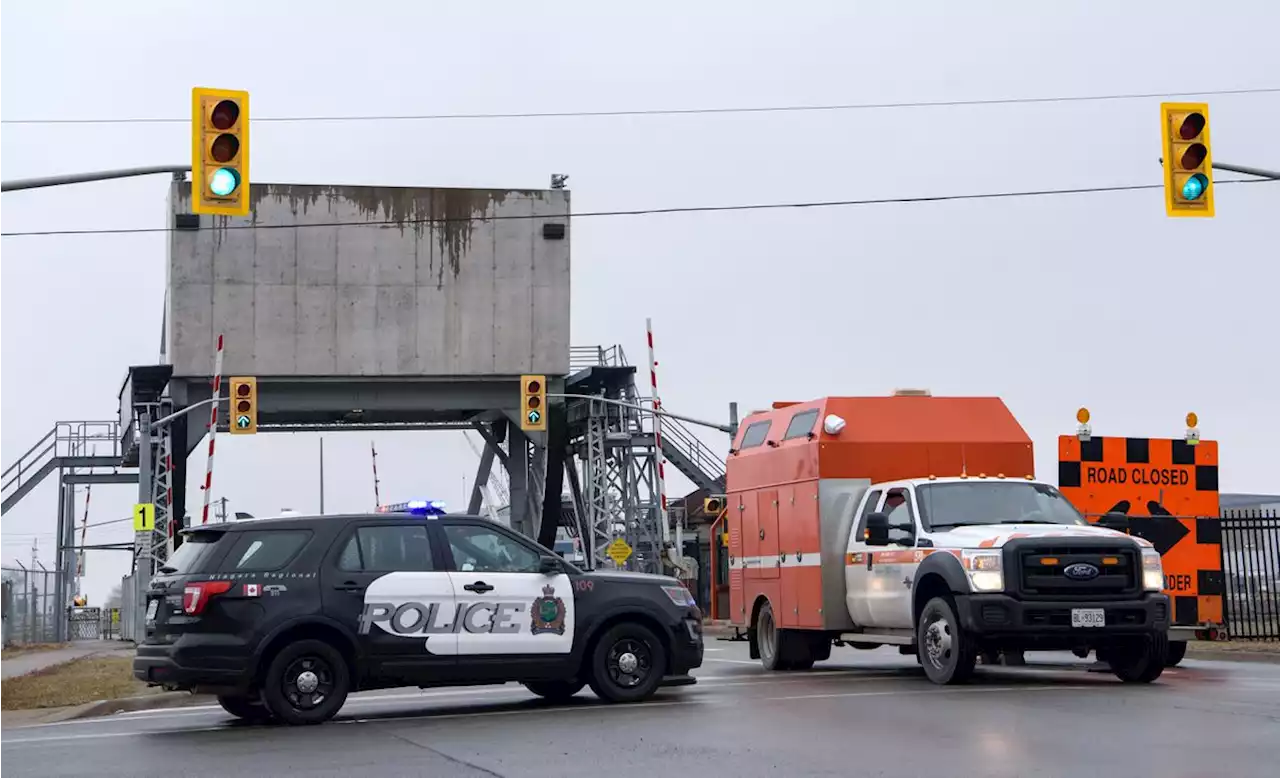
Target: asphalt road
x: 864, y: 713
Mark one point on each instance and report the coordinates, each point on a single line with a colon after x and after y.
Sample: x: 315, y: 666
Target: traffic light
x: 244, y: 405
x: 1188, y: 165
x: 220, y: 152
x: 533, y: 403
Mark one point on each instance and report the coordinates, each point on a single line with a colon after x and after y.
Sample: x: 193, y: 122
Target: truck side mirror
x: 1116, y: 521
x: 877, y: 530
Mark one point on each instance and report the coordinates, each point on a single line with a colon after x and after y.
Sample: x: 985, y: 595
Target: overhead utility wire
x: 662, y: 111
x: 634, y: 212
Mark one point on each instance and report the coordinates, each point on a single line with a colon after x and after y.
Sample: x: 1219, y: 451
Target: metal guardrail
x: 67, y: 439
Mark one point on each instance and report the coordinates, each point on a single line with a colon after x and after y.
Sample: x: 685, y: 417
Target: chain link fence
x: 30, y: 609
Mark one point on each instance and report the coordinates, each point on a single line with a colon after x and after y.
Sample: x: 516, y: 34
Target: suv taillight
x: 197, y: 595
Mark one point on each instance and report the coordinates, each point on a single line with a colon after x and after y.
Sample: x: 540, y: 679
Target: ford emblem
x: 1081, y: 571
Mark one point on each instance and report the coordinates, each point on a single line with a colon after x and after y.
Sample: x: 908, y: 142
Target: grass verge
x: 73, y: 683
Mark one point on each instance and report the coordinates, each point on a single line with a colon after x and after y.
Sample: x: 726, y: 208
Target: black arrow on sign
x: 1164, y: 533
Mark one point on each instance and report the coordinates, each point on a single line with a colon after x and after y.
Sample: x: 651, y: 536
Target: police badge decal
x: 548, y: 613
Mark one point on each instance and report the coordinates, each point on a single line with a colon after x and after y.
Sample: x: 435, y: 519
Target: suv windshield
x: 943, y: 506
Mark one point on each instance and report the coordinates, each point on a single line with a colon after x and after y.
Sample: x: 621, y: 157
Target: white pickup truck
x: 952, y: 568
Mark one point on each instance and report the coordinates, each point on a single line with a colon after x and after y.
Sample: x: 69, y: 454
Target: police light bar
x: 415, y: 507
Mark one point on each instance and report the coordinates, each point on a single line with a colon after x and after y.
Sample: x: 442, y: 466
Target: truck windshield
x: 947, y: 505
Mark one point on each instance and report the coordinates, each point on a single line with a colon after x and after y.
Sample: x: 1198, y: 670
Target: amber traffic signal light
x: 220, y: 152
x: 533, y: 403
x: 1188, y: 165
x: 244, y: 406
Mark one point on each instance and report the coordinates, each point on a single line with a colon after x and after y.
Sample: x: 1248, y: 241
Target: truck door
x: 893, y: 581
x: 857, y: 570
x: 767, y: 512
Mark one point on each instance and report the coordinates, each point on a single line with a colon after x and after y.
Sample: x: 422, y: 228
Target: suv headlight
x: 984, y: 568
x: 1152, y: 570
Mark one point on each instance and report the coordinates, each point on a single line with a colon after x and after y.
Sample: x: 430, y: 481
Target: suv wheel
x: 627, y: 663
x: 247, y: 708
x: 555, y: 691
x: 946, y: 652
x: 306, y: 683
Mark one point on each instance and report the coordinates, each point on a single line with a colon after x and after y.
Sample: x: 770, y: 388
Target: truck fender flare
x: 948, y: 567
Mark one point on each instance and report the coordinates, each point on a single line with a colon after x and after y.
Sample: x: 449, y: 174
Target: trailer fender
x: 938, y: 574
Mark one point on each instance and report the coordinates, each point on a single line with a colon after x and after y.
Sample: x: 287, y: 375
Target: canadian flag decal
x: 252, y: 590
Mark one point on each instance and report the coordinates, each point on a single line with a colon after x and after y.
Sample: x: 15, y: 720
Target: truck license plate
x: 1088, y: 617
x: 155, y: 604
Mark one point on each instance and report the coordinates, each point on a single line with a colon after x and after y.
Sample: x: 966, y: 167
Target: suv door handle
x: 349, y: 586
x: 479, y: 587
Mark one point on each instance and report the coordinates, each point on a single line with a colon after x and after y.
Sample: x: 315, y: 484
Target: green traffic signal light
x: 1195, y: 187
x: 223, y: 181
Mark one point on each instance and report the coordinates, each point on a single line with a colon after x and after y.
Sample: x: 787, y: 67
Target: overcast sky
x: 1048, y: 302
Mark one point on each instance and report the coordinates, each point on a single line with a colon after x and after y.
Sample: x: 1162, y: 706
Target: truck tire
x: 627, y: 663
x: 307, y: 682
x: 555, y: 691
x: 1140, y: 661
x: 1177, y: 651
x: 946, y: 653
x: 785, y: 649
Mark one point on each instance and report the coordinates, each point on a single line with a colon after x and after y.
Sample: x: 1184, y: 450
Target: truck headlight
x: 985, y: 569
x: 1152, y: 570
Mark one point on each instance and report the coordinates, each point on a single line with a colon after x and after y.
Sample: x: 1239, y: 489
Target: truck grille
x: 1044, y: 571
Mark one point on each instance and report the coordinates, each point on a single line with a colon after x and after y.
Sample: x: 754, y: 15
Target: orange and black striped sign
x: 1171, y: 488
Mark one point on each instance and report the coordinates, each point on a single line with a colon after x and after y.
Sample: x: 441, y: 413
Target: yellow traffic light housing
x: 533, y: 403
x: 220, y: 152
x: 244, y: 406
x: 1188, y: 163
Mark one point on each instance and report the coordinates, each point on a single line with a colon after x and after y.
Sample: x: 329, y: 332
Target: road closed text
x: 1138, y: 475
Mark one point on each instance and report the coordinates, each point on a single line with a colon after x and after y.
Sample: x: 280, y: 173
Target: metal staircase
x: 70, y: 445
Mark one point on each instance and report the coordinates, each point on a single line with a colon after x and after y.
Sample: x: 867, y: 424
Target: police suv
x: 283, y: 617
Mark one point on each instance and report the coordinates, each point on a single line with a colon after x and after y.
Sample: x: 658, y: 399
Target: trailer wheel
x: 1177, y: 651
x: 946, y: 653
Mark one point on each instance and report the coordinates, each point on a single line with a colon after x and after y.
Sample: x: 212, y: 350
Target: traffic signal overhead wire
x: 824, y: 107
x: 640, y: 211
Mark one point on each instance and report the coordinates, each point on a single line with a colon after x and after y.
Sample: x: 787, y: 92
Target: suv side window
x: 387, y: 549
x: 484, y: 550
x: 260, y: 551
x: 868, y: 507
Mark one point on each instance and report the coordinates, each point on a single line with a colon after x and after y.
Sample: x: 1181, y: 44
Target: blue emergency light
x: 415, y: 507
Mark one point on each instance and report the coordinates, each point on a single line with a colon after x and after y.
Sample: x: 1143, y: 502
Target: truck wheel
x: 246, y: 708
x: 946, y: 653
x: 769, y: 639
x: 555, y: 691
x: 1177, y: 651
x: 627, y: 663
x: 1140, y: 661
x: 306, y: 683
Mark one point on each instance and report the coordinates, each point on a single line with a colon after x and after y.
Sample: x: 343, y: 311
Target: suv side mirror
x: 877, y: 530
x: 550, y: 565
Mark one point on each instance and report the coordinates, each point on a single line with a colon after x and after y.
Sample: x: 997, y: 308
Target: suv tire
x: 555, y: 691
x: 627, y: 663
x: 300, y: 673
x: 243, y: 707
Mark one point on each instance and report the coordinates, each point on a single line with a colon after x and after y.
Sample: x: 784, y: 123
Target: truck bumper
x: 1040, y: 624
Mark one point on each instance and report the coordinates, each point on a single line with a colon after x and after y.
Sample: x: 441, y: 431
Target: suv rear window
x: 265, y: 550
x: 195, y: 550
